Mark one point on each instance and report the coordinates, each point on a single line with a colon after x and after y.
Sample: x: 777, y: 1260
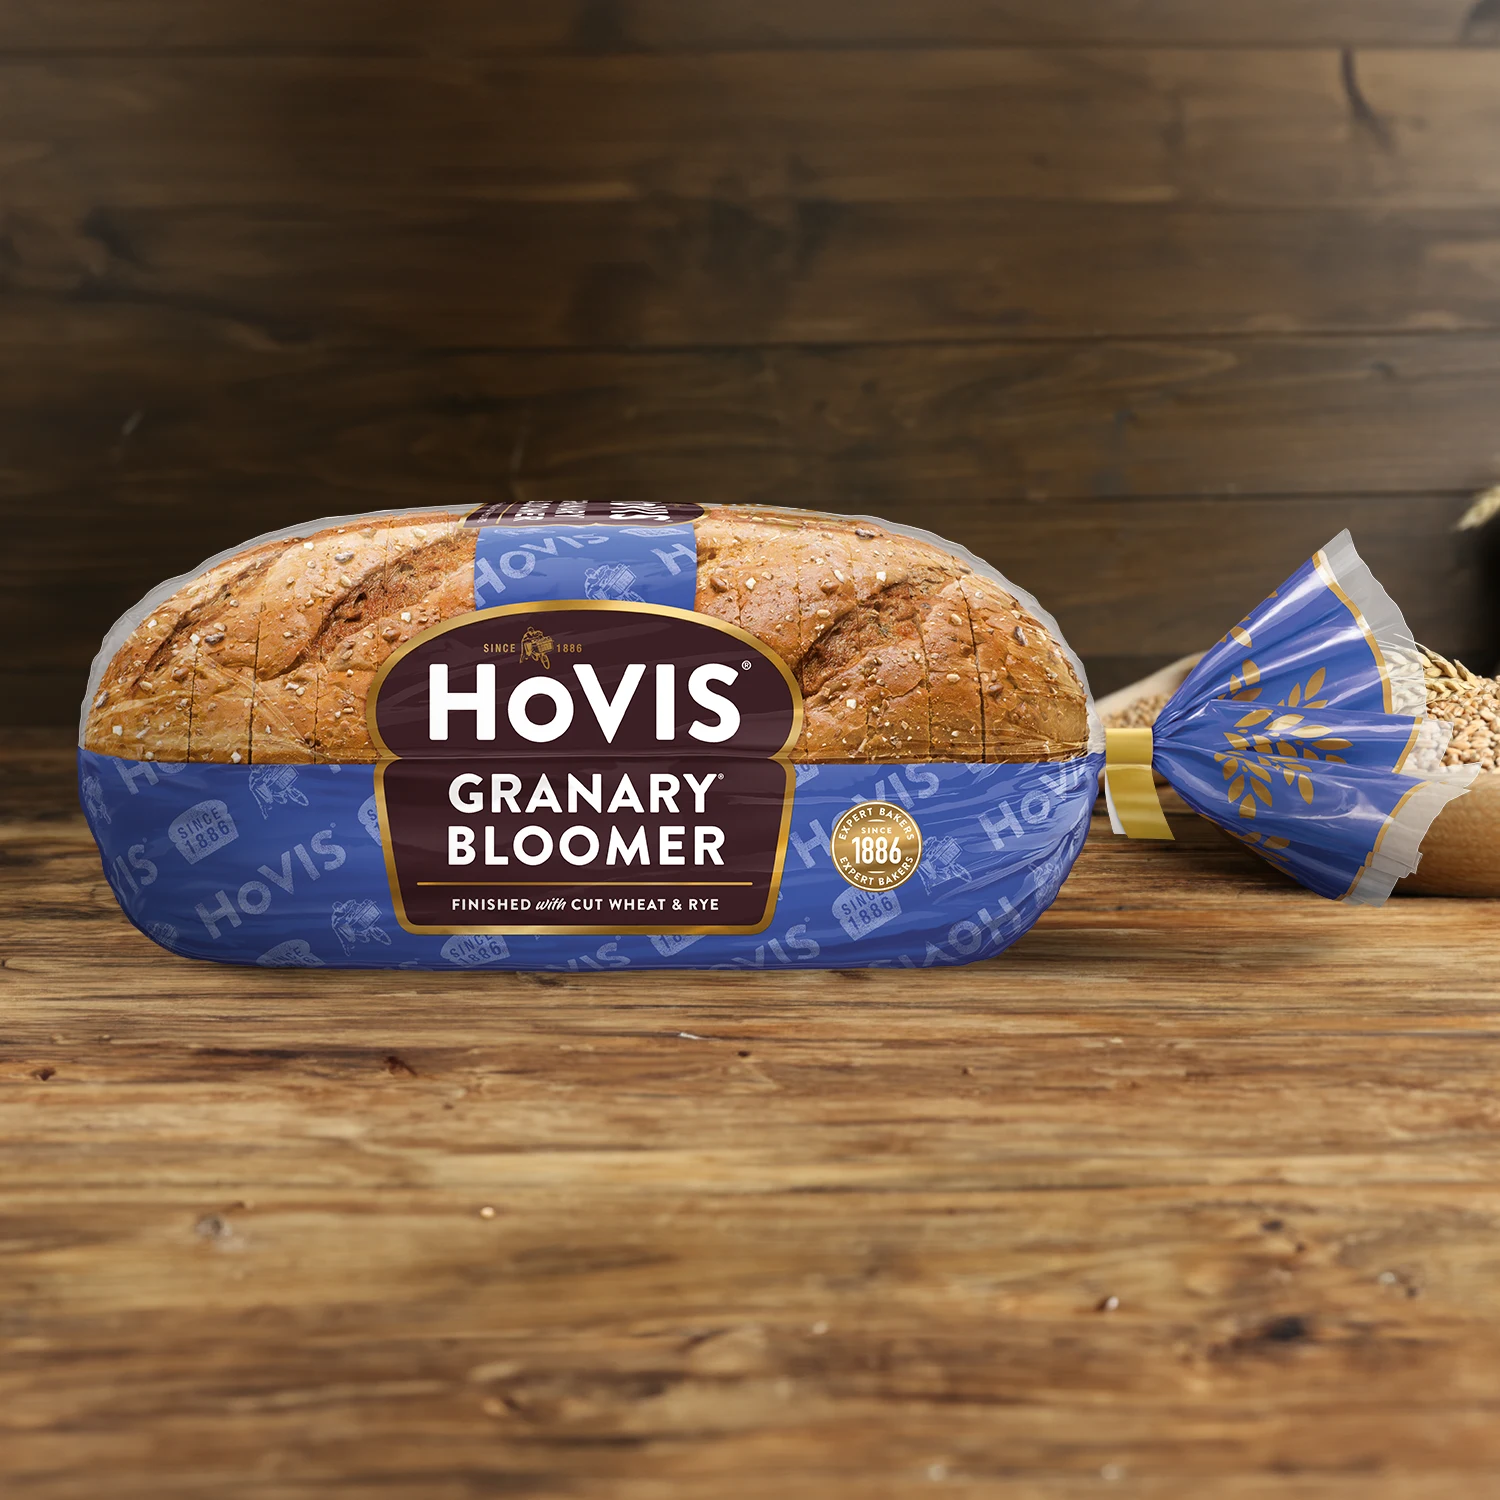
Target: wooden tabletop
x: 1195, y: 1191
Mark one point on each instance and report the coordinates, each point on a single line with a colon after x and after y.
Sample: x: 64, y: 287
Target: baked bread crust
x: 902, y: 651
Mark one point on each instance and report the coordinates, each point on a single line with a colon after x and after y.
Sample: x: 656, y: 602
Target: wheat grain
x: 1140, y: 714
x: 1471, y: 704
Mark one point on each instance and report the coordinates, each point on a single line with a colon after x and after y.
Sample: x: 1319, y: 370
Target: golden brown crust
x: 1028, y: 690
x: 903, y: 652
x: 224, y: 663
x: 428, y: 577
x: 143, y: 707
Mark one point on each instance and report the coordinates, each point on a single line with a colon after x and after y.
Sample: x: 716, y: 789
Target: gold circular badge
x: 876, y: 846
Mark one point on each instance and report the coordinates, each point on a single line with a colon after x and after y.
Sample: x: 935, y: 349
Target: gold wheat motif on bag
x: 1267, y: 744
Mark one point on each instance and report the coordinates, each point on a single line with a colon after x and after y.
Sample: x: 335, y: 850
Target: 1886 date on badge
x: 876, y: 846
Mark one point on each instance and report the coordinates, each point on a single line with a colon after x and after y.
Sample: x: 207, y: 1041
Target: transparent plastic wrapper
x: 569, y: 736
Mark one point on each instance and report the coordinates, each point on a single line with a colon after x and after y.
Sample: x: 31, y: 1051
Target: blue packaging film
x: 1302, y: 732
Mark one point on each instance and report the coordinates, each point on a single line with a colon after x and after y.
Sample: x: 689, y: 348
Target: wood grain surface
x: 1044, y: 420
x: 388, y: 27
x: 1194, y: 1191
x: 1025, y: 272
x: 1147, y: 492
x: 1247, y: 127
x: 662, y: 271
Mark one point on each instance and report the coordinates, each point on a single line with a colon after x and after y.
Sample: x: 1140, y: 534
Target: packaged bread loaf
x: 574, y: 735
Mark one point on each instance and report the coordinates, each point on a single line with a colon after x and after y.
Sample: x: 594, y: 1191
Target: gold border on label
x: 889, y: 811
x: 1390, y: 822
x: 1325, y: 571
x: 1411, y: 744
x: 549, y: 606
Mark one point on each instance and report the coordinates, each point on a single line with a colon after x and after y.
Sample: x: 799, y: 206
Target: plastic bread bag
x: 593, y: 736
x: 1304, y: 733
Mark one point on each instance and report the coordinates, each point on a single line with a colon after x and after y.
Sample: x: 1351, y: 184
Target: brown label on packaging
x: 586, y: 767
x: 583, y: 513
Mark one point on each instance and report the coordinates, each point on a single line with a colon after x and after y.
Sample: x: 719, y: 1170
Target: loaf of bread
x: 903, y: 652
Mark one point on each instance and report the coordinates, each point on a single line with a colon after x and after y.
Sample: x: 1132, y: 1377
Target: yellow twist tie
x: 1130, y: 788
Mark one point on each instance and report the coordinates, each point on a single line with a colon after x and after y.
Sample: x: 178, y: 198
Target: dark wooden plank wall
x: 1142, y: 300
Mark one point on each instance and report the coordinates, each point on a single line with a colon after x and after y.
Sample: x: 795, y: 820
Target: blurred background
x: 1141, y: 299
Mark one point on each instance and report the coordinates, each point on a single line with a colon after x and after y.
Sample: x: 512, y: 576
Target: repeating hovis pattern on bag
x: 593, y: 735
